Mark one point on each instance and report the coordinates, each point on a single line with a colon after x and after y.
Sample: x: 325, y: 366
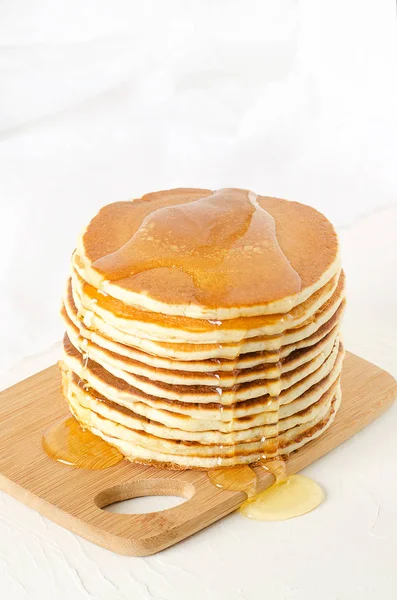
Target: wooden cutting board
x: 74, y: 498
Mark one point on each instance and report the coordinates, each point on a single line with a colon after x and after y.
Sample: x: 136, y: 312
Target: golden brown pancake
x: 191, y: 250
x: 203, y: 328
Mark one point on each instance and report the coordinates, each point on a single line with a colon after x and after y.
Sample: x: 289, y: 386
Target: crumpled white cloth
x: 103, y: 101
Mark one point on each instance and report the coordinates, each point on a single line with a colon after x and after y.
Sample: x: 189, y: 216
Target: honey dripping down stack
x: 202, y: 328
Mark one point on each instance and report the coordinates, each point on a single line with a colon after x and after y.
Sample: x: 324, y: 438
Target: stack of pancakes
x: 203, y: 328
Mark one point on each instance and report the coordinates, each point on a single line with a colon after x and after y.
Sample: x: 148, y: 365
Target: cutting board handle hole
x: 145, y: 496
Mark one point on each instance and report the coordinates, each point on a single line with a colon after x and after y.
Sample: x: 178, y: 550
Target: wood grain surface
x: 75, y: 498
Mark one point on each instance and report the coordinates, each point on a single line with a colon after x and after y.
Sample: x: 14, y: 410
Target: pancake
x: 248, y: 453
x: 232, y: 234
x: 303, y: 393
x: 217, y: 378
x: 91, y: 400
x: 184, y: 329
x: 202, y: 448
x: 218, y: 350
x: 250, y: 359
x: 206, y: 394
x: 203, y: 328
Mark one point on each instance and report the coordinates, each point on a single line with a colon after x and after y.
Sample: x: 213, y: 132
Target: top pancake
x: 203, y: 254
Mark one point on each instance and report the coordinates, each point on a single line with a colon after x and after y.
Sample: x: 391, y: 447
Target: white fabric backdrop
x: 103, y: 101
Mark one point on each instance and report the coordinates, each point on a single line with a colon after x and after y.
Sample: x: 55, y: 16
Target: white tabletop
x: 103, y: 101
